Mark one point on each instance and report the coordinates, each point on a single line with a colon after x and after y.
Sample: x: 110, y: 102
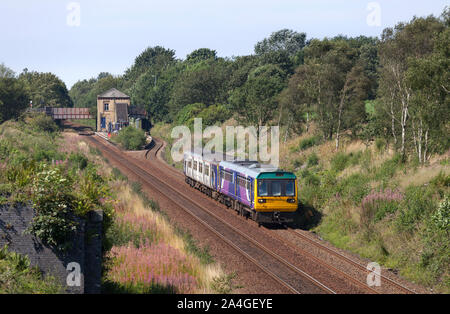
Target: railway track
x: 361, y: 268
x: 281, y: 270
x: 350, y: 261
x: 359, y: 282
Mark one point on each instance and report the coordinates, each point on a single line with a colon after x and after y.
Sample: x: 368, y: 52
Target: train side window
x: 207, y: 170
x: 190, y: 164
x: 195, y: 165
x: 229, y: 176
x: 200, y: 167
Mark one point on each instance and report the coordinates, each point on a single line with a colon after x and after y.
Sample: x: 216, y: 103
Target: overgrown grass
x: 17, y: 277
x: 141, y: 228
x: 377, y: 205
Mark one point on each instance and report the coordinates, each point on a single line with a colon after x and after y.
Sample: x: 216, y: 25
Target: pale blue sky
x: 35, y: 34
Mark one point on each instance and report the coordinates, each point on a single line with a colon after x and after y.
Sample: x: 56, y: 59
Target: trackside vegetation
x: 130, y: 138
x: 372, y: 203
x: 143, y: 251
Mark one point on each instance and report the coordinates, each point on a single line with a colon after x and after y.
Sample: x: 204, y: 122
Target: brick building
x: 112, y: 110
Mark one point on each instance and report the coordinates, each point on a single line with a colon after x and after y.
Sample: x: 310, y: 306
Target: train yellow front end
x: 276, y: 196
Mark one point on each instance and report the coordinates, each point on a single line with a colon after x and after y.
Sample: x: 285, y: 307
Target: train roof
x: 249, y: 168
x: 217, y: 157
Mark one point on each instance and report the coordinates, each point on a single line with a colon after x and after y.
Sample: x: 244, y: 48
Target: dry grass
x: 205, y: 274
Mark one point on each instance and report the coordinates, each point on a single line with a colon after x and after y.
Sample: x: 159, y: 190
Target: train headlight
x: 291, y: 200
x: 261, y: 201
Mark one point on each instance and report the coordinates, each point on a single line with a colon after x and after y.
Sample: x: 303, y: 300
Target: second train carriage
x: 262, y: 192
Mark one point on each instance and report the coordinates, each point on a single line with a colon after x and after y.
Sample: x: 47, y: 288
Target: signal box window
x: 106, y: 107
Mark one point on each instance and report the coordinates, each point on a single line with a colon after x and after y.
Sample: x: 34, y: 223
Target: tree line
x: 394, y: 87
x: 17, y: 92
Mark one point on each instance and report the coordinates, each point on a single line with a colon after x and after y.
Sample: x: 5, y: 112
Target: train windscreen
x: 276, y: 187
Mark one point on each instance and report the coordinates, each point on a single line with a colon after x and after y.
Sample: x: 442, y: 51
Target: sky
x: 78, y: 39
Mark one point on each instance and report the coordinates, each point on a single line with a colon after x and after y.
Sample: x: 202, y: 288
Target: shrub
x: 441, y: 217
x: 309, y: 142
x: 131, y: 138
x: 52, y: 198
x: 310, y: 178
x: 313, y: 160
x: 380, y: 144
x: 355, y: 187
x: 416, y: 205
x: 298, y: 162
x: 354, y: 158
x: 17, y: 277
x: 388, y: 168
x: 78, y: 160
x: 43, y: 123
x: 187, y: 114
x: 339, y: 162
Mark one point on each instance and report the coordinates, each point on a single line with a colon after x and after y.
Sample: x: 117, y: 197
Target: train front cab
x: 276, y: 198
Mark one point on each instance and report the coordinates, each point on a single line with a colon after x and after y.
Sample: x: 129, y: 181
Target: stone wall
x: 86, y: 248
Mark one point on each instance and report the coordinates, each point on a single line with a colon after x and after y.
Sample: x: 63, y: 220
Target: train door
x: 207, y: 175
x: 213, y: 176
x: 189, y: 167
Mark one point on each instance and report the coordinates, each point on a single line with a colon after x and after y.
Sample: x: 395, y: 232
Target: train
x: 260, y: 192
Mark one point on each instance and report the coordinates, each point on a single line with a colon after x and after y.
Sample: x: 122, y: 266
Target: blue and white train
x: 263, y: 193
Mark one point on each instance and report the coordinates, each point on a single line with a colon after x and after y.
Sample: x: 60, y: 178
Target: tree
x: 84, y: 93
x: 256, y: 100
x: 429, y: 79
x: 201, y: 54
x: 13, y: 95
x: 46, y: 89
x: 334, y: 82
x: 397, y: 46
x: 204, y: 82
x: 6, y: 72
x: 155, y: 58
x: 286, y: 40
x: 153, y: 92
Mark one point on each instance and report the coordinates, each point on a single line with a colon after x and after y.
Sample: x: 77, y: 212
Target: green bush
x: 309, y: 142
x: 186, y: 115
x: 131, y: 138
x: 417, y: 205
x: 388, y: 168
x: 43, y: 123
x: 53, y: 200
x: 313, y: 160
x: 355, y: 187
x: 17, y: 277
x: 441, y: 217
x: 78, y: 160
x: 380, y: 144
x: 339, y: 162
